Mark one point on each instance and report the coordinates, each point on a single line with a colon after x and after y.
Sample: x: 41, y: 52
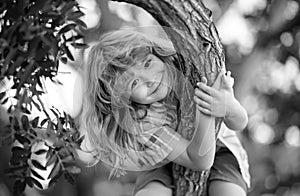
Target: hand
x: 218, y: 100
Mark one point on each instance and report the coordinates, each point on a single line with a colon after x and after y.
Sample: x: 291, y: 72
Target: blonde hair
x: 113, y: 54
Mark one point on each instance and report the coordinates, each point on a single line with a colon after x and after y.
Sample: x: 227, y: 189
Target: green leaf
x: 64, y: 60
x: 37, y: 183
x: 18, y: 169
x: 41, y: 151
x: 75, y: 15
x: 74, y: 38
x: 44, y: 121
x: 80, y: 23
x: 51, y: 160
x: 80, y: 45
x: 22, y: 139
x: 19, y: 187
x: 36, y: 164
x: 80, y: 140
x: 37, y: 6
x: 18, y: 151
x: 15, y: 123
x: 67, y: 28
x: 4, y: 101
x: 2, y: 94
x: 35, y: 122
x: 37, y: 175
x: 68, y: 6
x: 54, y: 179
x: 55, y: 170
x: 25, y: 122
x: 29, y: 181
x: 69, y: 54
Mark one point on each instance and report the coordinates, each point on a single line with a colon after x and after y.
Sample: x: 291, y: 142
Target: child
x: 229, y: 173
x: 131, y: 110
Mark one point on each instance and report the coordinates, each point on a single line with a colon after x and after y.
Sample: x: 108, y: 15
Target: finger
x: 207, y: 89
x: 228, y: 73
x: 202, y: 95
x: 203, y: 80
x: 203, y: 110
x: 202, y: 103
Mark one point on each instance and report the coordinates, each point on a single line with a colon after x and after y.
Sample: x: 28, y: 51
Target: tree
x: 47, y: 25
x: 35, y: 38
x: 202, y: 55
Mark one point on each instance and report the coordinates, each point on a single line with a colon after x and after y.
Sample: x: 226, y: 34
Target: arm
x: 219, y: 101
x: 197, y: 154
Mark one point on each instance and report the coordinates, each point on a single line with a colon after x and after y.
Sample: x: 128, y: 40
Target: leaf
x: 64, y: 60
x: 4, y: 101
x: 37, y: 6
x: 2, y: 94
x: 75, y: 15
x: 74, y: 38
x: 51, y: 160
x: 36, y: 164
x: 68, y: 6
x: 25, y: 122
x: 54, y: 179
x: 67, y: 28
x: 36, y: 174
x: 18, y: 151
x: 23, y: 140
x: 41, y: 151
x: 18, y: 169
x: 29, y: 181
x: 35, y: 122
x: 49, y: 154
x: 81, y: 23
x: 55, y: 170
x: 70, y: 178
x: 37, y: 183
x: 80, y: 140
x: 36, y: 105
x: 69, y: 54
x: 80, y: 45
x: 19, y: 187
x: 44, y: 121
x: 15, y: 123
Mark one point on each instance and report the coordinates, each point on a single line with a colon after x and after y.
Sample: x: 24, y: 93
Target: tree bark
x: 189, y: 25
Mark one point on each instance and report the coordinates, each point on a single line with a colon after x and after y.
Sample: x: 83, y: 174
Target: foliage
x: 35, y: 35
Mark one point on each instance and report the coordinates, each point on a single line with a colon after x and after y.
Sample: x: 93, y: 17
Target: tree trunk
x: 189, y: 25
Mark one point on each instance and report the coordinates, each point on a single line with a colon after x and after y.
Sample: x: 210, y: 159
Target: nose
x: 147, y: 77
x: 149, y: 84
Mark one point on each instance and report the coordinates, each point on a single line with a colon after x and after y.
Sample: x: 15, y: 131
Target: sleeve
x: 157, y: 142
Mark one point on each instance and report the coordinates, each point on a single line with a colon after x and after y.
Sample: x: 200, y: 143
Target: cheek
x: 139, y: 94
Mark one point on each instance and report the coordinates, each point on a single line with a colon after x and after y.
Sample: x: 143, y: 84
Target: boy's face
x: 147, y: 81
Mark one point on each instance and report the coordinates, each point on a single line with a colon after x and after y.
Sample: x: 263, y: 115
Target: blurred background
x: 261, y: 40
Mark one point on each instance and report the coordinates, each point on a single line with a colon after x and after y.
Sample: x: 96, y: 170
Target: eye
x: 134, y: 83
x: 147, y: 63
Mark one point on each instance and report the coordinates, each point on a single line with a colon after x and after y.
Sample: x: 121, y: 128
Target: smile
x: 159, y: 84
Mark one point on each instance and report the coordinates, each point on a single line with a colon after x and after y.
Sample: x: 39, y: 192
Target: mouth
x: 158, y: 86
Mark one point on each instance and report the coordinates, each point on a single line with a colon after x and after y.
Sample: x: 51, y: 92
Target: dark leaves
x: 19, y: 187
x: 36, y: 164
x: 35, y: 35
x: 36, y: 174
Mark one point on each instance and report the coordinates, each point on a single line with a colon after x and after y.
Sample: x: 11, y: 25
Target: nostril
x: 149, y: 84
